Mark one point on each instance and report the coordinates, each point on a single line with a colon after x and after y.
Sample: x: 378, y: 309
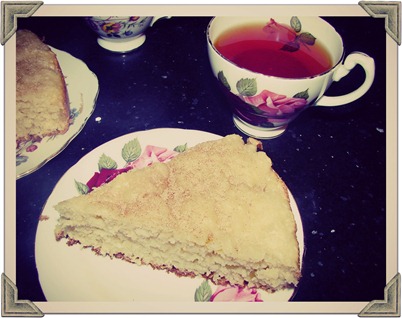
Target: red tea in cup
x: 274, y: 49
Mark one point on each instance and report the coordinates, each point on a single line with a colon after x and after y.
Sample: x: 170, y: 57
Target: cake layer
x: 217, y: 210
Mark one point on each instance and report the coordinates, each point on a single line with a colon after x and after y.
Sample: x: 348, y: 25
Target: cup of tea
x: 273, y: 68
x: 121, y: 34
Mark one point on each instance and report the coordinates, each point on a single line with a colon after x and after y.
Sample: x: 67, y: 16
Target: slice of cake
x: 218, y: 210
x: 42, y: 99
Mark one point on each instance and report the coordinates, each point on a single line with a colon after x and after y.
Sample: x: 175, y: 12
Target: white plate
x: 70, y: 273
x: 82, y: 87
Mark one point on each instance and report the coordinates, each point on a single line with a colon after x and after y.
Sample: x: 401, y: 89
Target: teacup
x: 121, y: 34
x: 266, y: 98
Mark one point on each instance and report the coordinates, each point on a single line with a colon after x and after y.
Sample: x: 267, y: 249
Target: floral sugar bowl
x: 121, y: 34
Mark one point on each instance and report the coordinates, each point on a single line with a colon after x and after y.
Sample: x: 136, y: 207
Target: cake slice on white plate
x: 217, y: 210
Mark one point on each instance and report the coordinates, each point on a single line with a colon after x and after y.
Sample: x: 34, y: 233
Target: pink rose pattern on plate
x: 226, y: 294
x: 134, y: 157
x: 238, y: 294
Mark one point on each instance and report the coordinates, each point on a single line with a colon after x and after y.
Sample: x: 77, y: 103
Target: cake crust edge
x: 169, y: 269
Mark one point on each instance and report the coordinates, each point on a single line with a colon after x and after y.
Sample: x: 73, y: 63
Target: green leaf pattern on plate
x: 181, y: 148
x: 203, y: 293
x: 105, y: 162
x: 131, y: 150
x: 82, y: 188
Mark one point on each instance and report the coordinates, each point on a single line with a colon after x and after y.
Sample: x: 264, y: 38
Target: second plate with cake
x: 83, y: 87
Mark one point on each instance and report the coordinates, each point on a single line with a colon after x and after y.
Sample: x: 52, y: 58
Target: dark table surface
x: 332, y: 159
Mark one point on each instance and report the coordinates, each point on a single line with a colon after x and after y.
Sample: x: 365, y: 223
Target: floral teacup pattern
x: 119, y: 27
x: 271, y: 108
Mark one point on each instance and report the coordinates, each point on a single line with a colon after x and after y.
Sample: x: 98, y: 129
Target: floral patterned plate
x: 71, y: 273
x: 82, y: 87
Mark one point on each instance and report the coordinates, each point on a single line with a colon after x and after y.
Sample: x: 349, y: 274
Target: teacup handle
x: 350, y: 62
